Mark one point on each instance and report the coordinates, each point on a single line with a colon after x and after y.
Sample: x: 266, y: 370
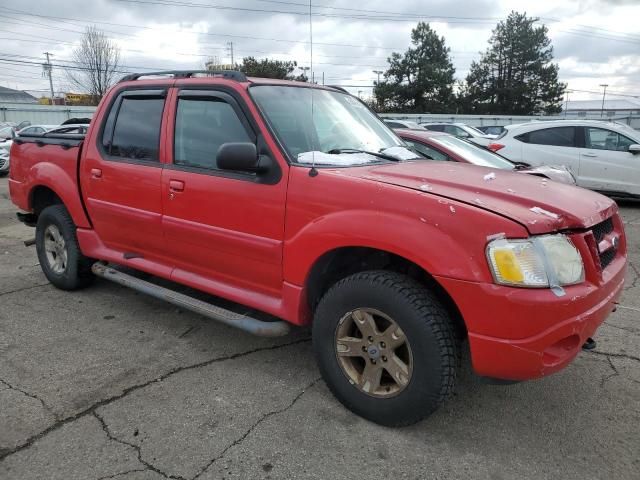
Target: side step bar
x: 237, y: 320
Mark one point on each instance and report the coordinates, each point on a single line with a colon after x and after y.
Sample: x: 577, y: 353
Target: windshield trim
x: 291, y: 161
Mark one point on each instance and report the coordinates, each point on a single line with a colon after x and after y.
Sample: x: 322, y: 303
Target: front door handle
x: 96, y: 173
x: 589, y: 154
x: 176, y: 185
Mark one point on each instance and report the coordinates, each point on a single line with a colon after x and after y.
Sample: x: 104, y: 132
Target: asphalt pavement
x: 107, y: 383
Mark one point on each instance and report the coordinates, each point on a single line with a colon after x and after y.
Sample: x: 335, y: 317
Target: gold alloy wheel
x: 55, y: 249
x: 373, y: 352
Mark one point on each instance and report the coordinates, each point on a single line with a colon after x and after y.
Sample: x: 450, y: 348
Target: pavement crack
x: 23, y: 289
x: 618, y: 355
x: 636, y: 276
x: 254, y: 426
x: 101, y: 403
x: 613, y: 325
x: 116, y: 475
x: 137, y: 448
x: 32, y: 395
x: 609, y: 377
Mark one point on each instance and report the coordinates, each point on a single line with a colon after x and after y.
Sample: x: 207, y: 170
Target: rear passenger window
x: 558, y: 137
x: 136, y: 133
x: 202, y: 126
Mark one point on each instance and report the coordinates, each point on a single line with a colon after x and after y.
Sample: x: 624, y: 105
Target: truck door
x: 121, y: 174
x: 221, y: 227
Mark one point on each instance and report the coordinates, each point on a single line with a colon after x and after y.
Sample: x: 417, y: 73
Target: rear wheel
x: 386, y: 347
x: 57, y: 245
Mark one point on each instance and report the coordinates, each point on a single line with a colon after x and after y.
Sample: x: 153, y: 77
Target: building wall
x: 42, y: 114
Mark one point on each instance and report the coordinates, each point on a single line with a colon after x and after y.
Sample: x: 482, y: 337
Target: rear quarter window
x: 557, y: 137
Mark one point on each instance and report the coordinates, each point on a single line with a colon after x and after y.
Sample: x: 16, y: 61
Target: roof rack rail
x: 229, y: 74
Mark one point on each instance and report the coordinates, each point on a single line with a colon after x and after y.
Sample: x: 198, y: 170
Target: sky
x: 595, y: 41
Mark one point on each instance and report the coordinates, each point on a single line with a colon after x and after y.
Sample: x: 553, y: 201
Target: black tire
x: 428, y: 330
x: 3, y: 174
x: 77, y: 270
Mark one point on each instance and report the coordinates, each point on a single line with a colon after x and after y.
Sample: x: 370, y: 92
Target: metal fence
x: 42, y: 114
x: 484, y: 120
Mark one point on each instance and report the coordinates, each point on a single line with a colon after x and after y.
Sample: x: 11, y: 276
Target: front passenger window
x: 202, y: 126
x: 601, y: 139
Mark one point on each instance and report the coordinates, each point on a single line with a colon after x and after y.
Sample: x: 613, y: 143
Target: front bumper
x: 521, y: 334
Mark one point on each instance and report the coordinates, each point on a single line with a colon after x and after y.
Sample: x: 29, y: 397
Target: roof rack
x: 228, y: 74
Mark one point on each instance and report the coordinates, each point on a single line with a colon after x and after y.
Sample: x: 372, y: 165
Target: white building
x: 612, y: 108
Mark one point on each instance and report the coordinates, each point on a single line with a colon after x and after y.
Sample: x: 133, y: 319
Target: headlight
x: 539, y: 262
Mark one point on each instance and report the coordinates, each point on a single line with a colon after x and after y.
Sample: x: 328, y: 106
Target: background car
x: 460, y: 130
x: 70, y: 128
x: 36, y: 129
x: 602, y: 156
x: 5, y: 146
x: 491, y: 129
x: 445, y: 147
x: 403, y: 124
x: 7, y: 133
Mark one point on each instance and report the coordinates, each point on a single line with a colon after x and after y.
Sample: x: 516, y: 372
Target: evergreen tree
x: 421, y: 80
x: 516, y: 75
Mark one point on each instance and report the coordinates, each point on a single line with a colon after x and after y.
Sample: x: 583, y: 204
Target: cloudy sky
x: 595, y: 41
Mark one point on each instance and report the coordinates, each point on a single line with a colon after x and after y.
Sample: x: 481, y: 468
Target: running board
x: 238, y: 320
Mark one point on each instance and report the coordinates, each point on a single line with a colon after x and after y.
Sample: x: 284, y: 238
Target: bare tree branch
x: 96, y: 63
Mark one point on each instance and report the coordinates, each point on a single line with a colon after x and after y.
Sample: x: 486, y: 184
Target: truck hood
x: 540, y: 205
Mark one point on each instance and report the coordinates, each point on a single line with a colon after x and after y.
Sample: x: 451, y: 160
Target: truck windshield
x: 340, y: 131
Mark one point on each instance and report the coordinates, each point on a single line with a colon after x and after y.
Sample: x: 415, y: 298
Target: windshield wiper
x: 338, y: 151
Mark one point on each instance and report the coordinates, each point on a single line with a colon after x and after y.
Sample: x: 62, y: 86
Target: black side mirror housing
x: 241, y: 156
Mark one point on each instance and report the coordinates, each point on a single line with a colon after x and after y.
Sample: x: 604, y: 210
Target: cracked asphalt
x: 107, y: 383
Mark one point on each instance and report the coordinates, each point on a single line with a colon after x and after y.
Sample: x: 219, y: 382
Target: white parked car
x: 5, y: 146
x: 602, y: 156
x: 461, y: 130
x: 36, y: 129
x: 408, y: 124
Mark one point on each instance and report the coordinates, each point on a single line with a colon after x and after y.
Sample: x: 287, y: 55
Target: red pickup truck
x: 296, y: 201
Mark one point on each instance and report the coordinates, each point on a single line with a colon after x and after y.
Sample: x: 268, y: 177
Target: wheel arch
x: 340, y: 262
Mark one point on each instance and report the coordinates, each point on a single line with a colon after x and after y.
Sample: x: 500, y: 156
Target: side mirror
x: 13, y: 133
x: 240, y: 156
x: 635, y: 148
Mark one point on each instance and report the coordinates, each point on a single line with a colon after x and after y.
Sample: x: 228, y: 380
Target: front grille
x: 2, y: 162
x: 600, y: 231
x: 607, y: 257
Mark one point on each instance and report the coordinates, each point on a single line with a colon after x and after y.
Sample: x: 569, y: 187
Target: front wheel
x: 385, y: 347
x: 58, y: 252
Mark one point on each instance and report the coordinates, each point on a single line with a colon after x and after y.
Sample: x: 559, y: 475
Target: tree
x: 421, y: 80
x: 267, y: 68
x: 96, y: 63
x: 516, y: 75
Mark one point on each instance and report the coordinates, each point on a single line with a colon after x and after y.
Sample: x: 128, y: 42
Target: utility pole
x: 47, y: 71
x: 304, y: 71
x: 230, y: 50
x: 322, y: 78
x: 378, y: 72
x: 604, y: 93
x: 566, y: 104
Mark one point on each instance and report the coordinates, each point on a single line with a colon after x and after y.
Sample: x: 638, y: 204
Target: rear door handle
x: 96, y: 173
x: 176, y: 185
x: 589, y: 154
